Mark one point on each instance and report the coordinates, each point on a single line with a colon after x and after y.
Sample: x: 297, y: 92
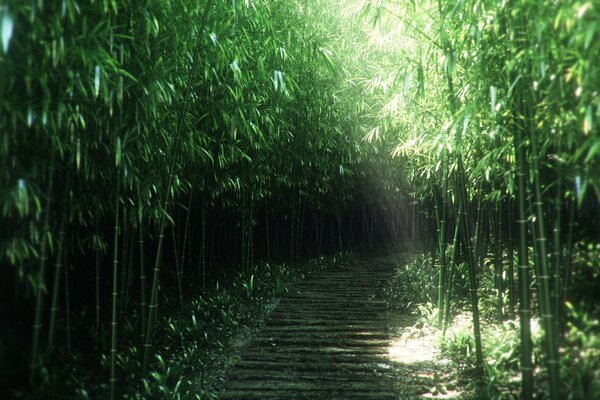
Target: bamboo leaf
x: 97, y: 80
x: 327, y: 56
x: 588, y: 120
x: 593, y: 151
x: 7, y: 29
x: 118, y: 151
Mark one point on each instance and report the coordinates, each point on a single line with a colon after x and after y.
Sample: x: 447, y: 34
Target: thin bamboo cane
x: 569, y: 250
x: 142, y: 255
x: 557, y: 244
x: 452, y: 269
x: 167, y: 192
x: 125, y: 234
x: 129, y: 266
x: 177, y: 268
x: 67, y: 305
x: 440, y: 249
x: 58, y: 265
x: 40, y: 286
x: 511, y: 261
x: 186, y: 233
x: 115, y: 271
x: 98, y: 292
x: 544, y: 277
x: 267, y: 233
x: 442, y: 235
x: 472, y: 262
x: 498, y: 262
x: 556, y: 255
x: 524, y: 281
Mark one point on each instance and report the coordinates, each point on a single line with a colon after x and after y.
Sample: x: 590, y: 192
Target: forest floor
x: 334, y: 337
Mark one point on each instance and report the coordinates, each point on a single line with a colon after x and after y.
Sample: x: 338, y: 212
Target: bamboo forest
x: 301, y: 199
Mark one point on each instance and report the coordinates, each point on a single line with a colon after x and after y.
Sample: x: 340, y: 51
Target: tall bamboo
x: 524, y: 281
x: 58, y: 265
x: 142, y: 260
x: 441, y: 217
x: 67, y: 305
x: 544, y: 276
x: 178, y: 268
x: 511, y: 261
x: 97, y: 251
x: 113, y: 324
x: 452, y: 269
x: 167, y: 193
x: 557, y: 259
x: 569, y: 249
x: 462, y: 194
x: 498, y: 261
x: 40, y: 286
x: 472, y: 263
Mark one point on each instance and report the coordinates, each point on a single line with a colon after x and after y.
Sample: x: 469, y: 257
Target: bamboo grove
x: 149, y: 147
x: 496, y: 111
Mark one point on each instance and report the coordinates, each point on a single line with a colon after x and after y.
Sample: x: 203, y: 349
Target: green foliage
x: 586, y: 277
x: 412, y: 284
x: 194, y: 347
x: 581, y: 362
x: 501, y: 340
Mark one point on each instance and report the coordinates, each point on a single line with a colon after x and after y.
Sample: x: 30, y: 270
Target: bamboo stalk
x: 167, y: 192
x: 523, y: 268
x: 452, y: 269
x: 186, y: 231
x: 125, y: 234
x: 58, y: 265
x: 267, y: 234
x: 129, y: 275
x: 440, y: 249
x: 67, y: 306
x: 556, y: 254
x: 98, y: 292
x: 41, y: 287
x: 203, y: 250
x: 498, y: 262
x: 177, y: 268
x: 442, y: 237
x: 113, y: 324
x: 472, y: 262
x: 569, y: 249
x: 142, y: 255
x: 544, y: 276
x: 511, y: 262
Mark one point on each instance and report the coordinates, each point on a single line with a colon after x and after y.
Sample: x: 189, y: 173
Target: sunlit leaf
x: 7, y: 29
x: 97, y: 72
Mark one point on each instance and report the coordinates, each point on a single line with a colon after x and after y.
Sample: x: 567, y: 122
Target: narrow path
x: 329, y: 338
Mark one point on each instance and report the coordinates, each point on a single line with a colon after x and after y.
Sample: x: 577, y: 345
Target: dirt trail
x: 331, y: 337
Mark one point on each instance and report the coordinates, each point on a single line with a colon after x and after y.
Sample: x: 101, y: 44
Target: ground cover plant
x: 414, y: 289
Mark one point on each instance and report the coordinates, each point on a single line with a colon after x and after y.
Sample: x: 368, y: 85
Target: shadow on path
x: 332, y: 337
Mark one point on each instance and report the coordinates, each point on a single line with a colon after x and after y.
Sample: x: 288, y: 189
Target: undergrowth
x: 414, y: 288
x: 194, y: 348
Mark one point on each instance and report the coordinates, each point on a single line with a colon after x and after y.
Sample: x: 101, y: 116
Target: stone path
x: 329, y: 338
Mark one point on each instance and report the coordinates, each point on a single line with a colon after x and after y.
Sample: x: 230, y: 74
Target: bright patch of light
x: 413, y: 349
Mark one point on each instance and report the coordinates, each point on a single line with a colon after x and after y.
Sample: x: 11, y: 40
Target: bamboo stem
x: 40, y: 286
x: 113, y: 324
x: 523, y: 268
x: 58, y: 265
